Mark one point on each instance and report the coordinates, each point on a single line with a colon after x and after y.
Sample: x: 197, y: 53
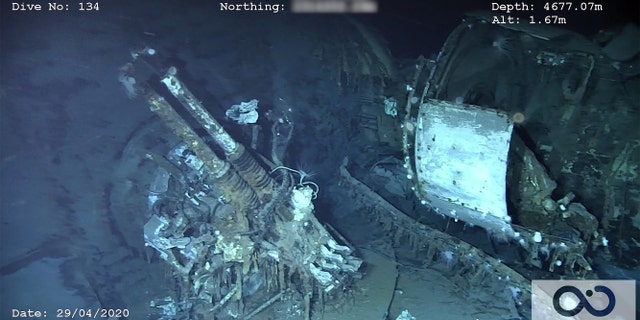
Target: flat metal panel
x: 461, y: 162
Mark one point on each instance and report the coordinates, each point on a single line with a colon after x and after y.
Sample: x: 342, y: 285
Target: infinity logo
x: 583, y: 301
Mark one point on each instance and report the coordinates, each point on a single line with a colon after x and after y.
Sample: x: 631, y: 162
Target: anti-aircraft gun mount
x: 239, y: 234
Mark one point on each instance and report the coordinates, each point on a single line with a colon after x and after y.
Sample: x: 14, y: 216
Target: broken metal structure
x: 459, y: 150
x: 238, y: 227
